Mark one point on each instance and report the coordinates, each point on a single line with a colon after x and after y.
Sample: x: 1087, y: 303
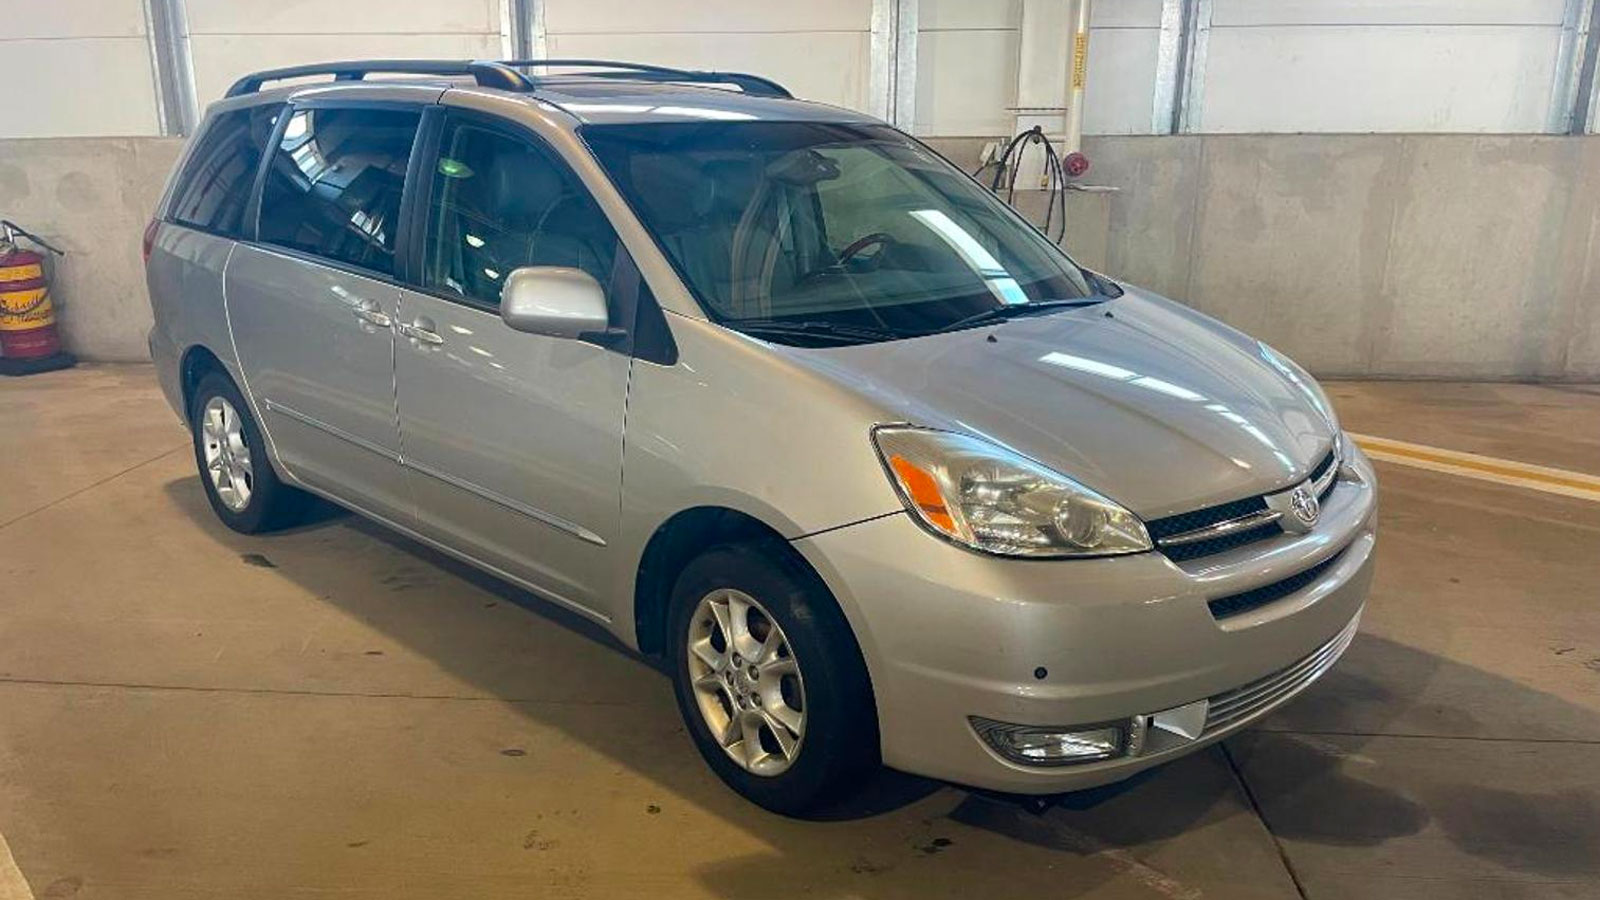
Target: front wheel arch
x: 691, y: 532
x: 679, y: 539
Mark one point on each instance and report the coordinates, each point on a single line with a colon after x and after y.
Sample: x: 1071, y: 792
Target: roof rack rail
x: 504, y: 74
x: 487, y: 73
x: 750, y: 84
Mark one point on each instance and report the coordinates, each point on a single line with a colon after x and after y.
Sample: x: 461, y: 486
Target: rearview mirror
x: 555, y: 301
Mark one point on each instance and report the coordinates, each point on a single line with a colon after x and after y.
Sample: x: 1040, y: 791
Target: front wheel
x: 769, y: 679
x: 244, y: 491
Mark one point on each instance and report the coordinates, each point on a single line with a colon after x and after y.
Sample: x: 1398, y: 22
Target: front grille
x: 1181, y: 552
x: 1321, y: 467
x: 1200, y: 518
x: 1234, y: 604
x: 1229, y: 707
x: 1182, y: 523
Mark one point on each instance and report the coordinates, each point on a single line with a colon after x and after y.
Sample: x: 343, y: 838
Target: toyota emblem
x: 1304, y: 505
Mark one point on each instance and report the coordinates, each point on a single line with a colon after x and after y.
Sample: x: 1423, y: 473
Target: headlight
x: 991, y: 499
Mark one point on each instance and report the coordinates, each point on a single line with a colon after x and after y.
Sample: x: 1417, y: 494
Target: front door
x: 311, y: 302
x: 512, y: 441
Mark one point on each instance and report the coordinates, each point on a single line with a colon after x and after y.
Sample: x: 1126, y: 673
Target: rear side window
x: 334, y: 185
x: 215, y: 186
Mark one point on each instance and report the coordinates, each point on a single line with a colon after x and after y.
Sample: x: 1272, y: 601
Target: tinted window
x: 334, y: 185
x: 802, y: 223
x: 215, y: 187
x: 499, y: 203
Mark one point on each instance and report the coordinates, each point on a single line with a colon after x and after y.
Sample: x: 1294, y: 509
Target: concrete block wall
x: 1365, y: 255
x: 91, y: 197
x: 1411, y: 255
x: 1426, y: 256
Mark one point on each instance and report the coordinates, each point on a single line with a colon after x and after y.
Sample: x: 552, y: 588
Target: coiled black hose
x: 1055, y: 185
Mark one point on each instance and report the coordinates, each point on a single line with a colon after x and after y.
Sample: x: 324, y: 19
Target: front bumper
x: 950, y: 634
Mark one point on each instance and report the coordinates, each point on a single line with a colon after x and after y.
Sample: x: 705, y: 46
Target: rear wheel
x: 244, y: 491
x: 769, y: 679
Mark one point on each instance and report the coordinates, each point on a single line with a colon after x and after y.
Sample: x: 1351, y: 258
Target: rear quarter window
x: 214, y: 188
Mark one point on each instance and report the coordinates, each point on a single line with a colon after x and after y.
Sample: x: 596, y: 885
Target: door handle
x: 421, y: 330
x: 368, y: 312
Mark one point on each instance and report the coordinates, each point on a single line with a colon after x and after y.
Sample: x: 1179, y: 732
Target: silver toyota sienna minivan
x: 776, y: 395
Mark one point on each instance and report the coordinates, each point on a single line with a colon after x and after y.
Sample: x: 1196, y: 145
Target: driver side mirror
x: 557, y: 301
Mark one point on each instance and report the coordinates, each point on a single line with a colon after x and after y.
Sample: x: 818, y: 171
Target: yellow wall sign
x: 1080, y: 60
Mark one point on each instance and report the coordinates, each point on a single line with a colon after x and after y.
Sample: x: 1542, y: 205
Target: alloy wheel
x: 746, y: 681
x: 227, y: 455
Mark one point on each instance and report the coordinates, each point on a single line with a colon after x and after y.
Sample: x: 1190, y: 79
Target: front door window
x: 500, y: 203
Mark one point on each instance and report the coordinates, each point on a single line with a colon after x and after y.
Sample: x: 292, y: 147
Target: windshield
x: 809, y: 232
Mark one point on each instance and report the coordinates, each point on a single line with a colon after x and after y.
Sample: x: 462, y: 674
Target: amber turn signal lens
x: 923, y: 490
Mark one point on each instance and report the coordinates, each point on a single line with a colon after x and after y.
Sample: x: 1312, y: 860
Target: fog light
x: 1033, y: 745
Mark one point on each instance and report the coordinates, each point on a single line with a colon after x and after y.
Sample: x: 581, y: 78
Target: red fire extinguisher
x: 29, y: 340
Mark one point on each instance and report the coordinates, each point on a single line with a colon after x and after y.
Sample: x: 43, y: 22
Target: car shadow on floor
x: 435, y: 606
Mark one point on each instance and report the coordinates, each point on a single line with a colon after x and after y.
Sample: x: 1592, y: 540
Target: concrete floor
x: 335, y: 711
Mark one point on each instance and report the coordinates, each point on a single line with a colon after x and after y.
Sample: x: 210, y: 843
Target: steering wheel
x: 875, y: 239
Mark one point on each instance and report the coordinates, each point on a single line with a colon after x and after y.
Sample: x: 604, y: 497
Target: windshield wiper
x: 816, y: 328
x: 1015, y: 310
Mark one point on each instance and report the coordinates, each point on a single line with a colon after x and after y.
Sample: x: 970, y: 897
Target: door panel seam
x: 238, y: 360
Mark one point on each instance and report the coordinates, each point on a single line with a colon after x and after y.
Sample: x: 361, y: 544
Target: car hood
x: 1149, y: 403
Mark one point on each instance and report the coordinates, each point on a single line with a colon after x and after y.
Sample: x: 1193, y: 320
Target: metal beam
x: 1169, y: 66
x: 1191, y: 81
x: 172, y: 67
x: 905, y: 63
x: 1578, y: 108
x: 538, y: 45
x: 893, y: 76
x: 1571, y: 53
x: 508, y: 30
x: 522, y: 29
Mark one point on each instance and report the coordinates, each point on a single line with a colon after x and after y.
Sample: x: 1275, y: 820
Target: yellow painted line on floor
x: 1484, y: 468
x: 12, y: 885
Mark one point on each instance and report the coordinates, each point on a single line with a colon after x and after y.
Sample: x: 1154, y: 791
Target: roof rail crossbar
x: 487, y: 73
x: 750, y: 84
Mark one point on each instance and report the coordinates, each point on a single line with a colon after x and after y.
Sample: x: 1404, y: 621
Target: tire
x: 837, y: 745
x: 266, y: 503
